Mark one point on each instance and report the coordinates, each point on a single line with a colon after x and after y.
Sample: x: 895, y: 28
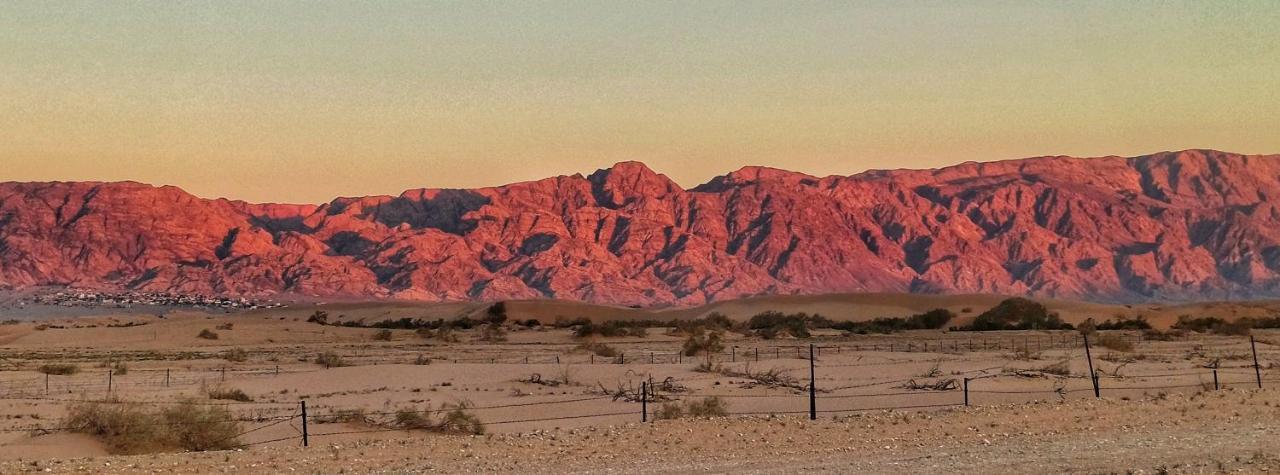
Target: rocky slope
x: 1195, y: 224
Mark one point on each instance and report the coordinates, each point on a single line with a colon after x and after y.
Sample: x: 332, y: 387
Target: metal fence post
x: 1097, y: 393
x: 644, y: 402
x: 305, y: 436
x: 813, y: 386
x: 1257, y: 372
x: 966, y: 392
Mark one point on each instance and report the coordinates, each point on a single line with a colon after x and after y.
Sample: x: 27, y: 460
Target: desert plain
x: 535, y: 397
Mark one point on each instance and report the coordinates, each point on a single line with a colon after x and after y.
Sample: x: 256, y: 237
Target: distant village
x: 94, y: 298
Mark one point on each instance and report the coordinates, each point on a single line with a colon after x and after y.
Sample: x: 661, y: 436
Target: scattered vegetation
x: 771, y: 324
x: 931, y: 320
x: 703, y: 342
x: 128, y: 428
x: 1017, y: 314
x: 237, y: 355
x: 493, y: 333
x: 1115, y: 342
x: 949, y: 384
x: 228, y: 394
x: 609, y: 329
x: 600, y: 349
x: 705, y: 407
x: 382, y: 335
x: 1221, y: 327
x: 330, y: 359
x: 207, y: 334
x: 450, y: 419
x: 59, y: 369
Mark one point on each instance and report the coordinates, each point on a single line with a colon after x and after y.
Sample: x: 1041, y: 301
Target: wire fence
x: 989, y: 385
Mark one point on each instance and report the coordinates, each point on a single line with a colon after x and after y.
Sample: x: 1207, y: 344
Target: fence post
x: 733, y: 354
x: 644, y: 402
x: 166, y: 377
x: 277, y: 370
x: 650, y: 357
x: 305, y: 435
x: 557, y: 359
x: 966, y: 392
x: 1257, y: 372
x: 593, y: 358
x: 1215, y: 379
x: 757, y: 354
x: 1092, y: 375
x: 110, y: 376
x: 224, y: 373
x: 46, y: 383
x: 813, y: 386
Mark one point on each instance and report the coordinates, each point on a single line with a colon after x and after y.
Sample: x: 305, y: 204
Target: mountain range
x: 1188, y: 225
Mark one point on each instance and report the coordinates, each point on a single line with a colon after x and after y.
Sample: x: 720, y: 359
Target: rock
x: 1178, y: 225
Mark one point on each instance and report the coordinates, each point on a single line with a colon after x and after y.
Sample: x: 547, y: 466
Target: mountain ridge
x: 1186, y: 225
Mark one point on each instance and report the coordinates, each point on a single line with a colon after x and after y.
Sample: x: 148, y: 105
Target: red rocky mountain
x: 1196, y: 224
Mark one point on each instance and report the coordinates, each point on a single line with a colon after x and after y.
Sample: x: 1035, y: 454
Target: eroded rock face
x: 1185, y: 225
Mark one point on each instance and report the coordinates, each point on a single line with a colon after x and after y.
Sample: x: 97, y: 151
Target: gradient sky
x: 304, y: 101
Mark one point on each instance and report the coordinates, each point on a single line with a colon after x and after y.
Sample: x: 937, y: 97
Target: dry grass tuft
x: 130, y: 428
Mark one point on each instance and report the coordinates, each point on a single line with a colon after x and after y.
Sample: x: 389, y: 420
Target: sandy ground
x: 583, y: 416
x: 1227, y: 431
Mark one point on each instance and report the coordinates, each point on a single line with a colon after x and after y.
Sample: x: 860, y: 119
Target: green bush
x: 1018, y: 314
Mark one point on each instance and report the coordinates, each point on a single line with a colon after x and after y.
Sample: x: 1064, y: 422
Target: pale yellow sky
x: 305, y: 101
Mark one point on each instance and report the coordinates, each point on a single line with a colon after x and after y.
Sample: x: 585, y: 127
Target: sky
x: 305, y: 101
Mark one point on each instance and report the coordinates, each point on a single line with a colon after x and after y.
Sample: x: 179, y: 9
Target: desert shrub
x: 1122, y: 323
x: 330, y: 359
x: 207, y: 334
x: 1018, y: 314
x: 228, y: 394
x: 703, y: 342
x: 600, y: 349
x: 609, y: 329
x: 444, y: 334
x: 458, y: 420
x: 237, y: 355
x: 1115, y: 342
x: 199, y: 428
x: 1260, y: 322
x: 422, y: 360
x: 382, y: 335
x: 344, y: 416
x: 1157, y: 335
x: 128, y: 428
x: 772, y: 324
x: 1213, y: 325
x: 319, y: 316
x: 59, y: 369
x: 931, y: 320
x: 226, y: 326
x: 119, y: 368
x: 452, y: 419
x: 493, y: 333
x: 705, y: 407
x: 410, y: 419
x: 497, y: 314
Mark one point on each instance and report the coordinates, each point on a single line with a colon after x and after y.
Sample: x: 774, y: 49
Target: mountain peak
x: 1193, y: 224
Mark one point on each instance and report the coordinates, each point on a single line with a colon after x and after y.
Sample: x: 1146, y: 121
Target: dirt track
x: 1235, y: 430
